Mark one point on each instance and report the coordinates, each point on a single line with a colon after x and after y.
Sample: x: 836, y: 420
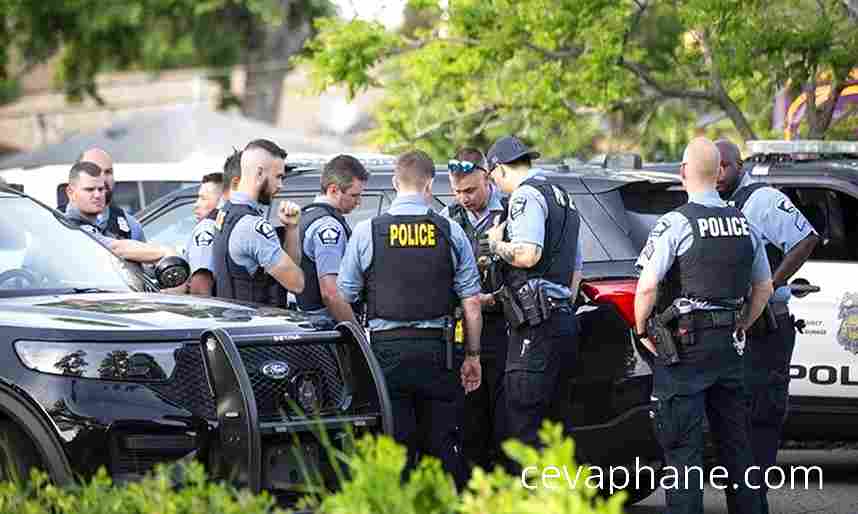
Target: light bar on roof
x: 768, y: 147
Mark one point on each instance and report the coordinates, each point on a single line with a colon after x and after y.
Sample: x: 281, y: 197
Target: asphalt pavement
x: 839, y: 493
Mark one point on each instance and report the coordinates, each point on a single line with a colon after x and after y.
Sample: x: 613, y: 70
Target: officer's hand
x: 649, y: 345
x: 472, y: 374
x: 496, y: 232
x: 487, y: 300
x: 289, y: 213
x: 485, y: 248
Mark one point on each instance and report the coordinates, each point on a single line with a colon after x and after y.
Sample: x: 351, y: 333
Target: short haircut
x: 90, y: 168
x: 269, y: 146
x: 232, y: 168
x: 213, y: 178
x: 524, y: 161
x: 341, y: 171
x: 415, y: 168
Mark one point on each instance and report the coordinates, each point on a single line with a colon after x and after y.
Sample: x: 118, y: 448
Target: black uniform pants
x: 538, y: 365
x: 767, y: 362
x: 709, y: 381
x: 480, y: 441
x: 426, y: 399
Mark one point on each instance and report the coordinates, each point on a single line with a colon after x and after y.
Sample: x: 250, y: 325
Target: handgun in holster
x: 522, y: 303
x: 658, y: 327
x: 765, y: 325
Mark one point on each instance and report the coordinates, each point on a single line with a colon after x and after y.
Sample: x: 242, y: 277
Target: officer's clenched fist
x: 289, y: 213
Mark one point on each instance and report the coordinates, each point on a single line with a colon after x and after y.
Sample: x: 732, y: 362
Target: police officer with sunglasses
x: 478, y: 204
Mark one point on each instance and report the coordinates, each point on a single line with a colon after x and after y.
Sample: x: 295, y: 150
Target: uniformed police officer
x: 789, y: 240
x: 323, y: 234
x: 114, y: 221
x: 248, y: 258
x: 412, y: 266
x: 540, y: 243
x: 198, y: 249
x: 699, y: 262
x: 478, y: 203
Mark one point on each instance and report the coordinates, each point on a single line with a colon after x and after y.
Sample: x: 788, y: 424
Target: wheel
x: 19, y: 277
x: 18, y: 455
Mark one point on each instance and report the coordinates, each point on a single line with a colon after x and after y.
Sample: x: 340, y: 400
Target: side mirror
x: 172, y: 272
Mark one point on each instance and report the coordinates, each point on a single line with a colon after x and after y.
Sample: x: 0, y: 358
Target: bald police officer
x: 789, y: 240
x: 698, y: 264
x: 323, y: 235
x: 540, y: 244
x: 478, y: 203
x: 413, y: 266
x: 114, y: 222
x: 249, y: 261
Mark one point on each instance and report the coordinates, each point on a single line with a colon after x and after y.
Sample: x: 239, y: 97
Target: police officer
x: 213, y: 194
x: 699, y: 262
x: 478, y: 203
x: 248, y: 258
x: 540, y: 244
x: 412, y: 266
x: 114, y: 221
x: 789, y: 240
x: 323, y: 235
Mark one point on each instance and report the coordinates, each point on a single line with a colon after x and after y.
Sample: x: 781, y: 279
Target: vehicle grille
x: 303, y: 360
x: 188, y: 388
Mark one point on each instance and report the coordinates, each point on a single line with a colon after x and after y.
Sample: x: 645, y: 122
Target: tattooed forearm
x: 521, y: 255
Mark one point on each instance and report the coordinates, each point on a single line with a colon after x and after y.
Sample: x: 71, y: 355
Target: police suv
x: 100, y: 370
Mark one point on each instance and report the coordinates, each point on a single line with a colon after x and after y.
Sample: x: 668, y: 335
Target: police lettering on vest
x: 723, y: 227
x: 415, y: 235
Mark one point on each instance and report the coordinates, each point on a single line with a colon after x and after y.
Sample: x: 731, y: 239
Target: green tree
x: 95, y: 35
x: 560, y: 72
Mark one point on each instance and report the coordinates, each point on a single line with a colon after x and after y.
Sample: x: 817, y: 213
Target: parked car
x: 607, y: 410
x: 99, y: 370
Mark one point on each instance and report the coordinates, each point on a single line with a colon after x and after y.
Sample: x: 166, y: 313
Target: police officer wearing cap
x: 323, y: 234
x: 412, y: 267
x: 540, y: 245
x: 249, y: 261
x: 114, y: 222
x: 697, y: 265
x: 478, y: 203
x: 789, y: 240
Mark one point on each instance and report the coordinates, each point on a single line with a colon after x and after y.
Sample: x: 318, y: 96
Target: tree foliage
x: 560, y: 72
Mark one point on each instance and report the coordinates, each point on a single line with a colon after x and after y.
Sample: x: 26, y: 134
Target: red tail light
x: 619, y: 293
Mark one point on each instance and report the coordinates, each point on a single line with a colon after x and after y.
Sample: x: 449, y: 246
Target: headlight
x: 136, y: 362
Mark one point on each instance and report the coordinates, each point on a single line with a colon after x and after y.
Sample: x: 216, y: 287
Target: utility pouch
x: 511, y: 310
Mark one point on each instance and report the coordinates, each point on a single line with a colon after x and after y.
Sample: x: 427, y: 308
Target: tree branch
x: 662, y: 89
x: 566, y: 54
x: 428, y: 131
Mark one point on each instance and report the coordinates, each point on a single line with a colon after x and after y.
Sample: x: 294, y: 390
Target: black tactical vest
x: 459, y: 214
x: 232, y: 281
x: 117, y: 224
x: 411, y: 274
x: 739, y: 199
x: 560, y: 247
x: 311, y: 298
x: 717, y: 266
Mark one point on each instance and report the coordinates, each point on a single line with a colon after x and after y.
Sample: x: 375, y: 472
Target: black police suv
x: 608, y: 407
x: 97, y: 369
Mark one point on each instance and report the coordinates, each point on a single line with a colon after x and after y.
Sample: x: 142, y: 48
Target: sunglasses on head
x: 455, y: 166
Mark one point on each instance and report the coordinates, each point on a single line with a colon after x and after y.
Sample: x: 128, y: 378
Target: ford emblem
x: 275, y: 370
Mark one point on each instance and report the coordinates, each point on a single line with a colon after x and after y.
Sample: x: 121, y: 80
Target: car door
x: 825, y: 360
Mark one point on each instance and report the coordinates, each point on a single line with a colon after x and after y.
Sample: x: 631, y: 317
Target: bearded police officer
x: 323, y: 235
x: 114, y: 221
x: 540, y: 244
x: 413, y: 266
x: 249, y: 261
x: 698, y: 264
x: 789, y: 240
x: 478, y: 203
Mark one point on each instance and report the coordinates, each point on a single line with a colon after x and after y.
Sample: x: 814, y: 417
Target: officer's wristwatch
x: 469, y: 353
x: 642, y: 335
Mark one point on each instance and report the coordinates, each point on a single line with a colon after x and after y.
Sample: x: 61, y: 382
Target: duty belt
x: 406, y: 333
x: 706, y: 320
x: 556, y: 303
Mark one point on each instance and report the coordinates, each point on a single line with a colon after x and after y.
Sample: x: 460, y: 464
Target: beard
x: 264, y: 194
x: 108, y: 196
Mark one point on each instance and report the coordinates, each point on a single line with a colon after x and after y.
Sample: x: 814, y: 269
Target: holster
x: 765, y: 325
x: 665, y: 343
x: 449, y: 340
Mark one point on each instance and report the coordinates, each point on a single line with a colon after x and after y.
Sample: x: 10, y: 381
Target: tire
x: 18, y: 455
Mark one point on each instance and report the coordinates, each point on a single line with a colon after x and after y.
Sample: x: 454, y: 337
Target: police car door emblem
x: 847, y: 334
x: 275, y: 370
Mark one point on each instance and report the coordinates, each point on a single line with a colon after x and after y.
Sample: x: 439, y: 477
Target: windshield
x: 39, y: 253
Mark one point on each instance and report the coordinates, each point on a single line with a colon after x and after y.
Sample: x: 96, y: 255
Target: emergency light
x: 769, y: 147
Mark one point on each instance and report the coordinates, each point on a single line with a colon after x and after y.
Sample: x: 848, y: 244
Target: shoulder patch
x: 659, y: 228
x: 123, y: 224
x: 786, y: 206
x: 516, y: 208
x: 329, y: 236
x: 204, y: 238
x: 265, y: 229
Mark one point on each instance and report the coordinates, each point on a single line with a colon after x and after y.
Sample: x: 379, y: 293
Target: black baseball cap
x: 508, y: 149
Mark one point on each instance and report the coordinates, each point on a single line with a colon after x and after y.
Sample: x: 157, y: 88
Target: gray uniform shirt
x: 198, y: 250
x: 358, y: 258
x: 480, y: 220
x: 253, y: 242
x: 325, y: 244
x: 672, y: 236
x: 773, y: 214
x: 526, y: 224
